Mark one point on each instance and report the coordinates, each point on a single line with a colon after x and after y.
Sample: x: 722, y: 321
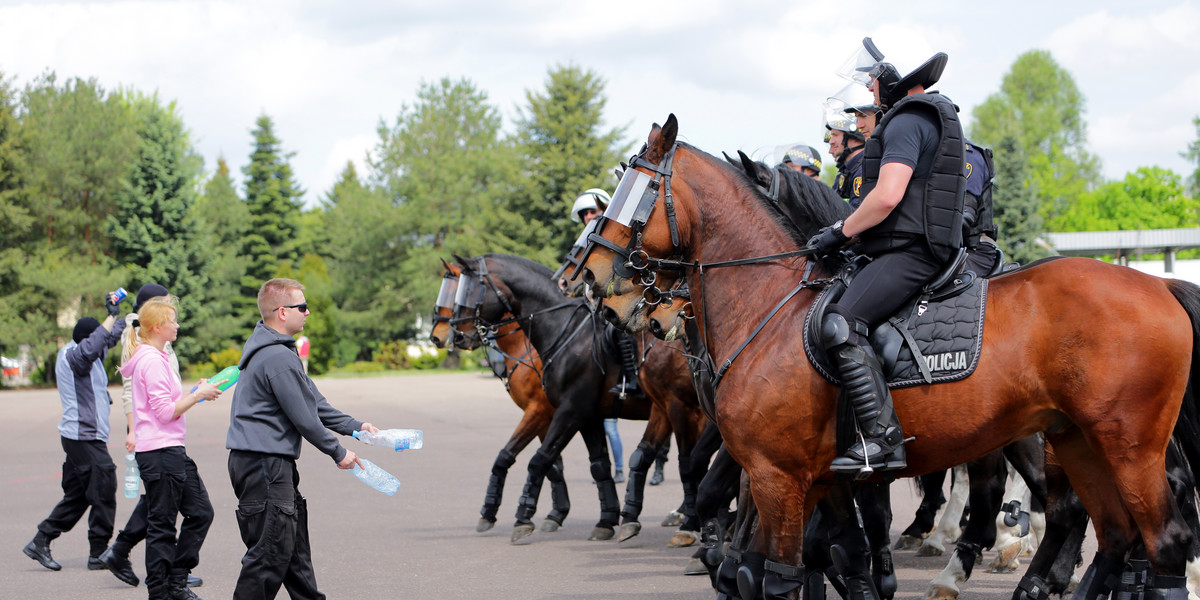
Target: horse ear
x: 731, y: 160
x: 755, y: 170
x: 462, y: 262
x: 661, y: 139
x: 445, y: 265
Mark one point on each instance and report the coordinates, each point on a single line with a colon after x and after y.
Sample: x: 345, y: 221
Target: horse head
x: 667, y: 318
x: 443, y: 308
x: 481, y: 302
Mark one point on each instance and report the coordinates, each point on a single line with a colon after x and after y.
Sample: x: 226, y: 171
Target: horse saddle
x: 936, y: 338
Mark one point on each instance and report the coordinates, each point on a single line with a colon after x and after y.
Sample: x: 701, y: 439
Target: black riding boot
x: 863, y: 385
x: 627, y: 350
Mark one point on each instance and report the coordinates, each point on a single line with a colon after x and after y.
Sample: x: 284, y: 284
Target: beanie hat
x: 148, y: 291
x: 84, y: 328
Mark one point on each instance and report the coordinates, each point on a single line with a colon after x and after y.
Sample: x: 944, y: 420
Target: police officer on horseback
x: 846, y: 139
x: 984, y: 256
x: 803, y: 158
x: 910, y: 223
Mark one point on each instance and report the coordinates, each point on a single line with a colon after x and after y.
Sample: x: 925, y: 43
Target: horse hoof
x: 674, y: 519
x: 907, y: 542
x: 484, y: 525
x: 522, y: 531
x: 601, y: 533
x: 695, y: 567
x: 929, y: 550
x: 1006, y: 559
x: 629, y: 530
x: 550, y: 526
x: 683, y: 539
x: 941, y: 592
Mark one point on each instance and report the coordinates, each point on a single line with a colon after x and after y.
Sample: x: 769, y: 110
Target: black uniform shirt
x: 911, y: 138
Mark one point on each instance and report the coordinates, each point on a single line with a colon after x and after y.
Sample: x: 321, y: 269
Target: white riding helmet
x: 594, y: 198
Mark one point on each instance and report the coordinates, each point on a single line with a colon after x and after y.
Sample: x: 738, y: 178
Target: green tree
x: 1193, y: 155
x: 565, y: 151
x: 223, y: 220
x: 450, y: 176
x: 153, y: 229
x: 1149, y: 198
x: 273, y: 199
x: 1016, y: 206
x: 1041, y: 109
x: 16, y: 222
x: 81, y: 140
x: 369, y: 248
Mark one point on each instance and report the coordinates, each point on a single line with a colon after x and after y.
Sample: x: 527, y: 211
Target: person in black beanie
x: 88, y: 475
x: 116, y: 557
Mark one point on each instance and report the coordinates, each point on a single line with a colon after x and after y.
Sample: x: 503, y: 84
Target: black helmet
x: 895, y: 75
x: 804, y: 156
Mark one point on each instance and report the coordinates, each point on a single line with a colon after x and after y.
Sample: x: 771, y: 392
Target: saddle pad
x: 945, y: 335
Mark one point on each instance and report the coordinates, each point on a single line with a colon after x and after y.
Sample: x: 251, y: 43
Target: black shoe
x: 94, y: 564
x: 626, y: 388
x: 120, y: 567
x: 879, y: 454
x: 39, y: 549
x: 194, y: 581
x: 177, y: 588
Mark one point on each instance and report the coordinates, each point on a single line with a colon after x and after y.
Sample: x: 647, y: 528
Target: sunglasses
x: 303, y: 306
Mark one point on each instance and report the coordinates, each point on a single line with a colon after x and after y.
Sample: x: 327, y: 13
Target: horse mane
x: 525, y: 263
x: 813, y: 205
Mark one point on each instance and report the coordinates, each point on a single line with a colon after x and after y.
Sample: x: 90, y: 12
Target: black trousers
x: 173, y: 488
x: 273, y: 519
x: 134, y: 531
x: 889, y: 281
x: 89, y: 480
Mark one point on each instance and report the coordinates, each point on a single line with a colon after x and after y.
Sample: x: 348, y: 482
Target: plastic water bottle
x: 132, y: 478
x: 229, y: 375
x: 396, y: 439
x: 372, y: 475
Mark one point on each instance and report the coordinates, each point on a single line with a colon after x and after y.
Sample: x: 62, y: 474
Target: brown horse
x: 521, y: 364
x: 1095, y: 355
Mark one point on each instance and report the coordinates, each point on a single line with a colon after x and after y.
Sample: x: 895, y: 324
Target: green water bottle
x: 226, y: 378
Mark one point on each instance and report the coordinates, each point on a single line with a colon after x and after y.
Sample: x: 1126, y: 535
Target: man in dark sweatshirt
x: 89, y: 477
x: 275, y: 405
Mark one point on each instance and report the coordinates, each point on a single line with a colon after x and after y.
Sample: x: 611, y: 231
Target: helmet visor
x: 862, y: 65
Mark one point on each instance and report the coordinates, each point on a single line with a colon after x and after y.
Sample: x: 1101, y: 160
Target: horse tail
x: 1187, y: 427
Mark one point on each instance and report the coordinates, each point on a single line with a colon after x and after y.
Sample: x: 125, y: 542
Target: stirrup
x: 885, y: 460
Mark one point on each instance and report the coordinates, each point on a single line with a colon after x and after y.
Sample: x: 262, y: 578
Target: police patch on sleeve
x: 858, y: 186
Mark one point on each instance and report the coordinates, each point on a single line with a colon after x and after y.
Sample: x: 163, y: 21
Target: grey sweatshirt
x: 275, y: 403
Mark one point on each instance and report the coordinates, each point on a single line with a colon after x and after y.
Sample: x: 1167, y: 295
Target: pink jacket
x: 156, y: 388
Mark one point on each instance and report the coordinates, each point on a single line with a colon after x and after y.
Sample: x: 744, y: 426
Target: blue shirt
x: 83, y: 385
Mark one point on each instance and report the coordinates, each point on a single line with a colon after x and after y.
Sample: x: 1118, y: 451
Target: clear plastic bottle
x: 132, y: 477
x: 396, y: 439
x: 372, y: 475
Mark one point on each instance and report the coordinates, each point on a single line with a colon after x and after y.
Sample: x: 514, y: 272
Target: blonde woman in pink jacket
x: 173, y: 485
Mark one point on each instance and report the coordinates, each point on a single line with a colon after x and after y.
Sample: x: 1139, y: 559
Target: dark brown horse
x: 521, y: 366
x: 577, y: 372
x: 1097, y: 356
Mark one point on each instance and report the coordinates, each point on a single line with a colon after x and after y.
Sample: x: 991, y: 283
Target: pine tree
x: 273, y: 199
x: 1193, y: 155
x: 153, y: 229
x: 562, y: 144
x: 224, y: 220
x: 1016, y: 206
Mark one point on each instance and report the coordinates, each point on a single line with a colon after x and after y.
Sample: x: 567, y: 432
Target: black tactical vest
x: 931, y: 208
x: 978, y: 212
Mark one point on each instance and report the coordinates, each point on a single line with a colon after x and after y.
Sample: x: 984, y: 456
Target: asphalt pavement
x: 420, y: 543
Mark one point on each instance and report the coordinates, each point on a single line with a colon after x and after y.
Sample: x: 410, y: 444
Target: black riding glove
x: 114, y: 310
x: 828, y: 239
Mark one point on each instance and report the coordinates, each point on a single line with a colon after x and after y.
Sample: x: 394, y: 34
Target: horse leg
x: 1060, y: 551
x: 559, y: 497
x: 932, y: 499
x: 606, y: 489
x: 1183, y: 484
x: 849, y: 547
x: 1115, y: 530
x: 986, y: 477
x: 562, y: 428
x: 948, y: 529
x: 1012, y: 529
x: 875, y: 505
x: 687, y: 423
x: 739, y: 543
x: 719, y: 486
x: 657, y: 430
x: 535, y: 421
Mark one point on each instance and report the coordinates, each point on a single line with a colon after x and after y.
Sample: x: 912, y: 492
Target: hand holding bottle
x: 206, y: 391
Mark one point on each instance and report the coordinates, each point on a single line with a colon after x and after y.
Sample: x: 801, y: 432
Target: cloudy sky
x: 745, y: 74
